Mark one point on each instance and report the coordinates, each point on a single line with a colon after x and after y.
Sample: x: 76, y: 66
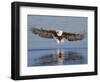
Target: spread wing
x: 43, y: 33
x: 73, y: 36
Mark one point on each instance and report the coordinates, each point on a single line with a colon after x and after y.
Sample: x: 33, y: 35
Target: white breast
x: 62, y: 40
x: 57, y: 40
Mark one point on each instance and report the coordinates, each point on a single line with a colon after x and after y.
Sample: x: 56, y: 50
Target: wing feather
x: 73, y: 36
x: 43, y: 33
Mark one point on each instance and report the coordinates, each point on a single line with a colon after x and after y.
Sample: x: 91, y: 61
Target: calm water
x: 59, y: 56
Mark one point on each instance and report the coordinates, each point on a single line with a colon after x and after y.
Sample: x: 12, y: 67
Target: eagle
x: 58, y: 35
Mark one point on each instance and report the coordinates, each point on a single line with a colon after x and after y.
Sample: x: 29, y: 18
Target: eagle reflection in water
x: 60, y: 57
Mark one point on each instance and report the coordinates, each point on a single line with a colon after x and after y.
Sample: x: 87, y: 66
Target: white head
x: 59, y: 32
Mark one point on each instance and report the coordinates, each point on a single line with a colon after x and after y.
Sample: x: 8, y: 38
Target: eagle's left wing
x: 73, y: 36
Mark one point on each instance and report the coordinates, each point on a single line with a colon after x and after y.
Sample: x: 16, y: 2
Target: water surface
x: 59, y: 56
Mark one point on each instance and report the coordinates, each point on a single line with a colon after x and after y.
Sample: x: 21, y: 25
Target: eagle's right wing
x: 43, y: 33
